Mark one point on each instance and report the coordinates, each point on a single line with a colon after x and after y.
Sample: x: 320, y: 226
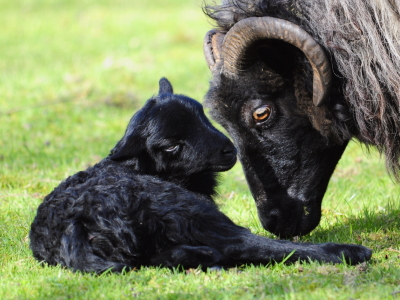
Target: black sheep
x: 293, y: 82
x: 149, y: 203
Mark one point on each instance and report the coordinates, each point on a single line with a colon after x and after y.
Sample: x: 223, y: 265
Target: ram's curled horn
x: 213, y: 49
x: 251, y: 30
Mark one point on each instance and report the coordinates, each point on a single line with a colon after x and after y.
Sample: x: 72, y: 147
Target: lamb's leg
x: 257, y: 249
x: 191, y: 257
x: 238, y: 244
x: 77, y: 254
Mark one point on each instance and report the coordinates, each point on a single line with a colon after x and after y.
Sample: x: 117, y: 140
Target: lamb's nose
x: 229, y: 149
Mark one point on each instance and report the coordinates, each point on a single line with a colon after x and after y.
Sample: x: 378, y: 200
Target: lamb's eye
x: 171, y: 148
x: 261, y: 114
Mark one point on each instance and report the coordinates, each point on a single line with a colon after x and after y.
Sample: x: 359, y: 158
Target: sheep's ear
x: 165, y: 86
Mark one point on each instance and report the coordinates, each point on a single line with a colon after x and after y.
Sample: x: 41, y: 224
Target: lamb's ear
x: 165, y: 86
x: 132, y: 144
x: 128, y: 147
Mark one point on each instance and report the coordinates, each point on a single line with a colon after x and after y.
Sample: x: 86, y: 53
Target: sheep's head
x: 171, y: 137
x: 270, y: 88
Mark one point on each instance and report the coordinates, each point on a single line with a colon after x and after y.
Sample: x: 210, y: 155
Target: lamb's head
x: 269, y: 91
x: 172, y: 138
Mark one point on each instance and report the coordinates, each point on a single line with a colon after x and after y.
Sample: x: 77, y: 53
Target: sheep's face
x: 171, y: 137
x: 286, y: 161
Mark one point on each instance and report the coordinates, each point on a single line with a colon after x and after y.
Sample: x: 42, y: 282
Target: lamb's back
x: 127, y: 216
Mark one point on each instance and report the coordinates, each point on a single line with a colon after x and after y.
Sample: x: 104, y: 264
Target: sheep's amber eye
x: 172, y: 148
x: 261, y: 113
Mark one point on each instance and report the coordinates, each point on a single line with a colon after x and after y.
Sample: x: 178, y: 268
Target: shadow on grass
x: 378, y: 229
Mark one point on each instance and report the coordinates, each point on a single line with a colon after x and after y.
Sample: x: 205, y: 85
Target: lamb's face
x: 181, y: 140
x: 171, y: 137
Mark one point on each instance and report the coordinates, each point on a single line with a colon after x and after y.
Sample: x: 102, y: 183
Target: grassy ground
x: 71, y: 75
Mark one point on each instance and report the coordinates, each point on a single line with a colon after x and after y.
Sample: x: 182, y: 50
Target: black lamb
x: 149, y: 203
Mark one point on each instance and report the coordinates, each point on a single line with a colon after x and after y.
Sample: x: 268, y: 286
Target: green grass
x: 71, y: 75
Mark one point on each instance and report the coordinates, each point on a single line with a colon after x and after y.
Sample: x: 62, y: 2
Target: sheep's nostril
x: 270, y: 222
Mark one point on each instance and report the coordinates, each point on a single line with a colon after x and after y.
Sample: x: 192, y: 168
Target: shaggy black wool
x: 289, y: 157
